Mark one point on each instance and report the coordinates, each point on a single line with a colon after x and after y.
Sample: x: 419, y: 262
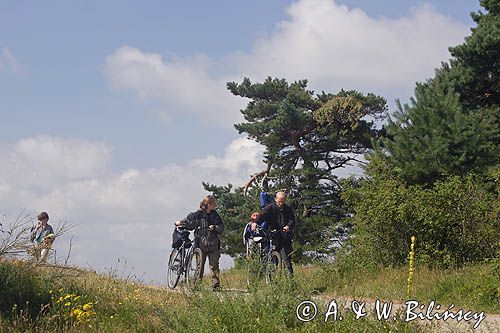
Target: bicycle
x: 185, y: 259
x: 267, y: 262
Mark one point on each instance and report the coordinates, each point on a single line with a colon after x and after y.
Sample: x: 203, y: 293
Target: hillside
x: 69, y: 299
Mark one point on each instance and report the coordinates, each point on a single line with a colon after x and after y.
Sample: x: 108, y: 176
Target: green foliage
x: 435, y: 138
x: 473, y: 71
x: 455, y: 222
x: 21, y: 290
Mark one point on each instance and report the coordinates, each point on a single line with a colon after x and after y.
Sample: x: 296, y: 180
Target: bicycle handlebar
x: 271, y: 231
x: 180, y: 227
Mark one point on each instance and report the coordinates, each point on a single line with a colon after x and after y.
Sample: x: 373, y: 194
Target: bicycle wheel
x: 249, y: 247
x: 174, y: 268
x: 254, y: 270
x: 193, y: 268
x: 273, y: 266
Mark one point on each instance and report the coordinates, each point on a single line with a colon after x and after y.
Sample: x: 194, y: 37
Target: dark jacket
x: 277, y: 218
x: 208, y: 239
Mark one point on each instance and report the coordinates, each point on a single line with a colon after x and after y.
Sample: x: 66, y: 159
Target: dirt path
x: 488, y: 323
x: 424, y: 314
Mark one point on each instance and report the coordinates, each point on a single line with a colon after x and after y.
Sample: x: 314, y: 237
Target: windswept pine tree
x: 307, y: 138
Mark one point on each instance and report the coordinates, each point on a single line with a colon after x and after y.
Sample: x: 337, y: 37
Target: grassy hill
x: 47, y: 299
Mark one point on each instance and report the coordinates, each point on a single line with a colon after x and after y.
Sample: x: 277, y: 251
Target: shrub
x: 456, y: 221
x: 22, y: 290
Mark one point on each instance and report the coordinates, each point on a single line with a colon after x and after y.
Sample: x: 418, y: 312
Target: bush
x: 455, y: 222
x: 22, y: 290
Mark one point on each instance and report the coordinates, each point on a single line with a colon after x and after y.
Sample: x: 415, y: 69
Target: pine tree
x: 434, y: 138
x: 307, y: 138
x: 474, y: 71
x: 452, y: 124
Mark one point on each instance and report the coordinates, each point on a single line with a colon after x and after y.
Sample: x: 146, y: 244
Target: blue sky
x: 60, y: 49
x: 113, y: 112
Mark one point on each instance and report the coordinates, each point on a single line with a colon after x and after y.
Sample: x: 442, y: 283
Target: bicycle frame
x: 269, y: 261
x: 185, y: 255
x: 269, y: 239
x: 182, y: 266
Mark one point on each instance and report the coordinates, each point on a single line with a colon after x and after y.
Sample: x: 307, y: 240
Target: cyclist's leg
x: 278, y: 242
x: 286, y: 253
x: 213, y: 262
x: 202, y: 265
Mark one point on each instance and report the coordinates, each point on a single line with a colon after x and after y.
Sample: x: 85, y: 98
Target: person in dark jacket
x: 211, y: 226
x: 280, y: 216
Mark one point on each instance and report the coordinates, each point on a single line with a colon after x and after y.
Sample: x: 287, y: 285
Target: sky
x: 112, y: 113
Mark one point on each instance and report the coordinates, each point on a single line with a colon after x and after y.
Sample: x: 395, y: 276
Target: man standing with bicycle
x: 280, y: 217
x: 210, y: 227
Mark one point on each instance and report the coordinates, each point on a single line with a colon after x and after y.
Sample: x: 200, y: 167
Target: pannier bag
x: 180, y: 236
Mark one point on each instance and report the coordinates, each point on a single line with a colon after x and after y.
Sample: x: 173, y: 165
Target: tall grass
x: 476, y: 287
x: 22, y: 287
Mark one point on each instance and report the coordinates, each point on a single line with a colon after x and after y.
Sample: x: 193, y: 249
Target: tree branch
x: 262, y: 173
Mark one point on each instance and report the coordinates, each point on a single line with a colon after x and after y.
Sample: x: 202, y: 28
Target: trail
x: 490, y: 323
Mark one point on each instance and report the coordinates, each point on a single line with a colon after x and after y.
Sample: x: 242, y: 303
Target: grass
x: 473, y: 287
x: 36, y: 299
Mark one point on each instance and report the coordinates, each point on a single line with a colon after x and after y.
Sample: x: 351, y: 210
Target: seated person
x: 249, y: 234
x: 248, y: 228
x: 42, y: 236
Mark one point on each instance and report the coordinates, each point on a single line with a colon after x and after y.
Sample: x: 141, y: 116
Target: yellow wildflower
x: 411, y: 271
x: 76, y: 312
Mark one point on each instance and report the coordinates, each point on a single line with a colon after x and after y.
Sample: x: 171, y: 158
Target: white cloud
x: 127, y: 215
x: 183, y: 84
x: 50, y: 161
x: 241, y: 154
x: 331, y: 45
x: 336, y: 47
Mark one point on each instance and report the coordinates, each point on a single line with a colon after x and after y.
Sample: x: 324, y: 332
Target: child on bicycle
x: 249, y: 234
